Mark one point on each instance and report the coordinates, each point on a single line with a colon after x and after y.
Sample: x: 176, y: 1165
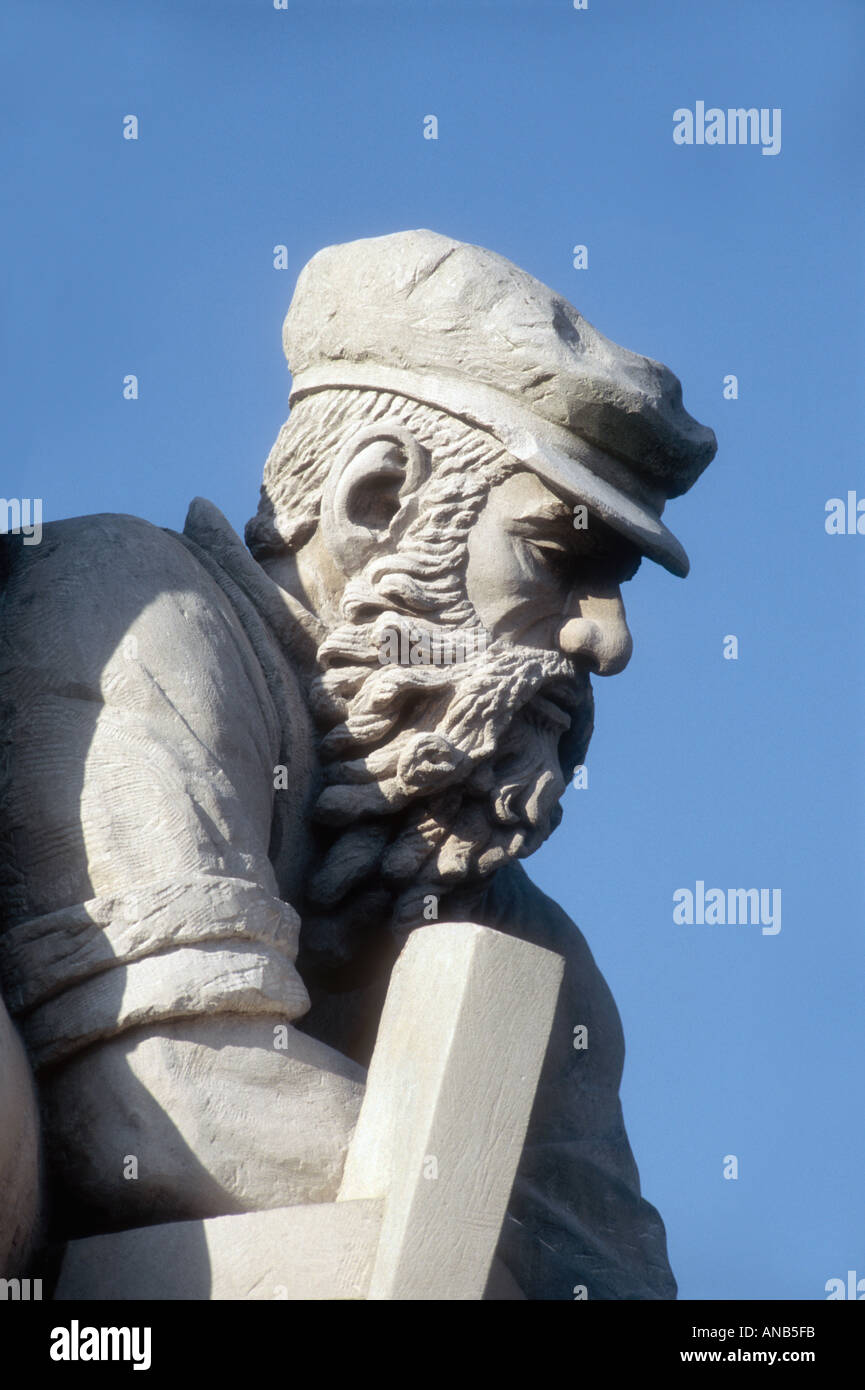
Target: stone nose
x: 599, y: 636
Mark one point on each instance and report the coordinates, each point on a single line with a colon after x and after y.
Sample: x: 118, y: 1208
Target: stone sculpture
x: 235, y: 779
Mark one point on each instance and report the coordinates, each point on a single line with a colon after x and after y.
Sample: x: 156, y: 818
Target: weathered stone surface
x: 226, y: 803
x: 203, y: 1117
x: 298, y: 1253
x: 473, y: 1047
x: 463, y: 328
x: 19, y: 1153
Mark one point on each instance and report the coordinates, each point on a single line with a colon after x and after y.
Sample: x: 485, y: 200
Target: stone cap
x: 464, y: 329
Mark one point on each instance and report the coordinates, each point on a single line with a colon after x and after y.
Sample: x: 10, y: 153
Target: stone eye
x: 555, y: 557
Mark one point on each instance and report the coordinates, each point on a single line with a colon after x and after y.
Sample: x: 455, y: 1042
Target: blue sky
x: 304, y: 127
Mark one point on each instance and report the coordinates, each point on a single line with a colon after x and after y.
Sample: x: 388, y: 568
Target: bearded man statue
x: 235, y: 778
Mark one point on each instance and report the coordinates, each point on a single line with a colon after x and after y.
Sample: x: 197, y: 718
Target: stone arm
x: 145, y: 951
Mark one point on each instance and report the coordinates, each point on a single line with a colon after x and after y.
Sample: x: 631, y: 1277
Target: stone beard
x: 434, y: 776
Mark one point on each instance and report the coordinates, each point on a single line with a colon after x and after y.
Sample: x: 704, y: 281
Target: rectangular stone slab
x: 316, y: 1251
x: 459, y: 1050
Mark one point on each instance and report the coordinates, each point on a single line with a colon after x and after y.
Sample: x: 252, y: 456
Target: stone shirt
x: 145, y: 703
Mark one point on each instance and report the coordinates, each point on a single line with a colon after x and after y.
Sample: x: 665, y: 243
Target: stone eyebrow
x: 598, y: 545
x: 552, y: 511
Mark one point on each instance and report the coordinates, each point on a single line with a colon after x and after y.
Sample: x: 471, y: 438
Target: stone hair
x: 465, y: 462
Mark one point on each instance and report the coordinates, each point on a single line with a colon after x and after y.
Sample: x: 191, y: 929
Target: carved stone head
x: 469, y: 473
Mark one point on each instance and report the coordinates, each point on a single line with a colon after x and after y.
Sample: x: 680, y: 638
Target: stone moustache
x: 224, y: 810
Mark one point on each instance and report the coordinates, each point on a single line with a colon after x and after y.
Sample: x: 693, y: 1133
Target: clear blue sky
x: 304, y: 127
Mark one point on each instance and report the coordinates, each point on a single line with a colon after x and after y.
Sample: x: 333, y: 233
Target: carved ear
x: 371, y: 493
